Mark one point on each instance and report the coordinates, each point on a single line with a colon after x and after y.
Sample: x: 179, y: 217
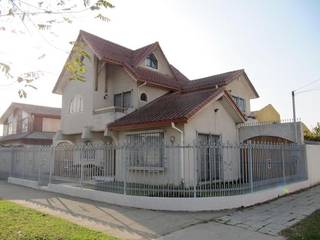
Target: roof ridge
x: 113, y: 43
x: 220, y: 74
x: 33, y: 105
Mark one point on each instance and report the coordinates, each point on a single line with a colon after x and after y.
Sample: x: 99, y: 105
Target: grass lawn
x: 307, y: 229
x: 20, y: 223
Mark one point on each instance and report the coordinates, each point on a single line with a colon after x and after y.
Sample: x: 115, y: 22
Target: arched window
x: 76, y: 104
x: 151, y: 61
x: 143, y: 97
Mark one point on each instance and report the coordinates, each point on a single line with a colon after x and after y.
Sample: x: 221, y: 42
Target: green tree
x: 44, y: 15
x: 313, y: 135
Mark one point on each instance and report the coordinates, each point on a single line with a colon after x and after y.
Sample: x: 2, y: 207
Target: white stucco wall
x: 313, y: 161
x: 283, y: 130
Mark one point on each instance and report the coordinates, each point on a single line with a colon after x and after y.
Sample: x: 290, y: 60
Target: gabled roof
x: 129, y: 59
x: 174, y: 107
x: 29, y: 135
x: 32, y: 109
x: 218, y: 81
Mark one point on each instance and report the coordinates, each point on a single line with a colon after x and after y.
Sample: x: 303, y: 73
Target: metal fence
x: 158, y: 170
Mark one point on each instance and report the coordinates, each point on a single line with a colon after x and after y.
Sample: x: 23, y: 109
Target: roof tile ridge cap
x: 148, y: 48
x: 238, y: 71
x: 108, y: 41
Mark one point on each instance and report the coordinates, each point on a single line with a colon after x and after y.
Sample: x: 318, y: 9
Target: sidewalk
x: 125, y: 223
x: 262, y: 222
x: 217, y: 231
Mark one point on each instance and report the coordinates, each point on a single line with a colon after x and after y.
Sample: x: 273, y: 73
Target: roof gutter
x: 181, y: 149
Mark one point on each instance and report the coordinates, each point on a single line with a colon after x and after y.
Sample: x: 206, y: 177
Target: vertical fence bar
x: 81, y: 166
x: 51, y: 162
x: 283, y: 164
x: 250, y: 165
x: 36, y: 154
x: 125, y: 167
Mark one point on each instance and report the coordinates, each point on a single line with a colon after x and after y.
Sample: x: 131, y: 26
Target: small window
x: 143, y: 97
x: 240, y: 103
x: 122, y: 100
x: 151, y: 61
x: 76, y: 104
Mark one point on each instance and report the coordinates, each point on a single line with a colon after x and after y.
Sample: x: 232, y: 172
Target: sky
x: 276, y: 42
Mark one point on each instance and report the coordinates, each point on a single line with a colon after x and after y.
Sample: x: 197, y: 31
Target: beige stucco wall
x: 72, y: 123
x: 151, y: 92
x: 220, y: 123
x: 50, y: 125
x: 118, y: 81
x: 241, y: 88
x: 205, y: 121
x: 162, y: 63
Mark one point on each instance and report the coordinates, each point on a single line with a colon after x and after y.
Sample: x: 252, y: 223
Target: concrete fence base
x: 24, y: 182
x: 179, y: 204
x: 189, y: 204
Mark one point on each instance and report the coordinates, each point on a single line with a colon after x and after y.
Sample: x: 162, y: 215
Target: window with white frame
x: 152, y: 61
x: 146, y: 149
x: 76, y: 104
x: 240, y: 103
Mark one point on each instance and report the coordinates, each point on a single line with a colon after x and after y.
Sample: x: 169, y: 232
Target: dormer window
x: 151, y: 61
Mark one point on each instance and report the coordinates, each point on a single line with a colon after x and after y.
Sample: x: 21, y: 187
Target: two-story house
x: 25, y: 124
x: 128, y: 90
x: 138, y: 97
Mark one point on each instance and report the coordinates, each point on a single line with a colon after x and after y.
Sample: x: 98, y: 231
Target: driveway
x: 263, y: 222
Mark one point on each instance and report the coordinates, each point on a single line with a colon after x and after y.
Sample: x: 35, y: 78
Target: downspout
x: 138, y: 92
x: 181, y: 149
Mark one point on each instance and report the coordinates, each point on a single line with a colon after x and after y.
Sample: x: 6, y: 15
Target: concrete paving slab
x: 217, y: 231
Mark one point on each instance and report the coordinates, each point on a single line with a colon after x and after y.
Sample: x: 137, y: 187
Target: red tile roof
x: 217, y: 80
x: 173, y: 107
x: 189, y: 96
x: 109, y: 51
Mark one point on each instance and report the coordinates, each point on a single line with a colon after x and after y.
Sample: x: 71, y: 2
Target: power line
x: 307, y: 85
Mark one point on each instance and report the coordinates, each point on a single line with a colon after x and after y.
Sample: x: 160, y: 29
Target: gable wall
x: 240, y: 88
x: 162, y: 64
x: 73, y: 123
x: 208, y: 122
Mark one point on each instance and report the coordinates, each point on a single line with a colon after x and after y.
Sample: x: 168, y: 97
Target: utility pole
x: 294, y: 115
x: 294, y: 106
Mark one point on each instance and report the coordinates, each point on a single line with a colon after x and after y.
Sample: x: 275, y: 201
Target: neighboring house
x: 138, y: 97
x: 25, y: 124
x: 267, y: 114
